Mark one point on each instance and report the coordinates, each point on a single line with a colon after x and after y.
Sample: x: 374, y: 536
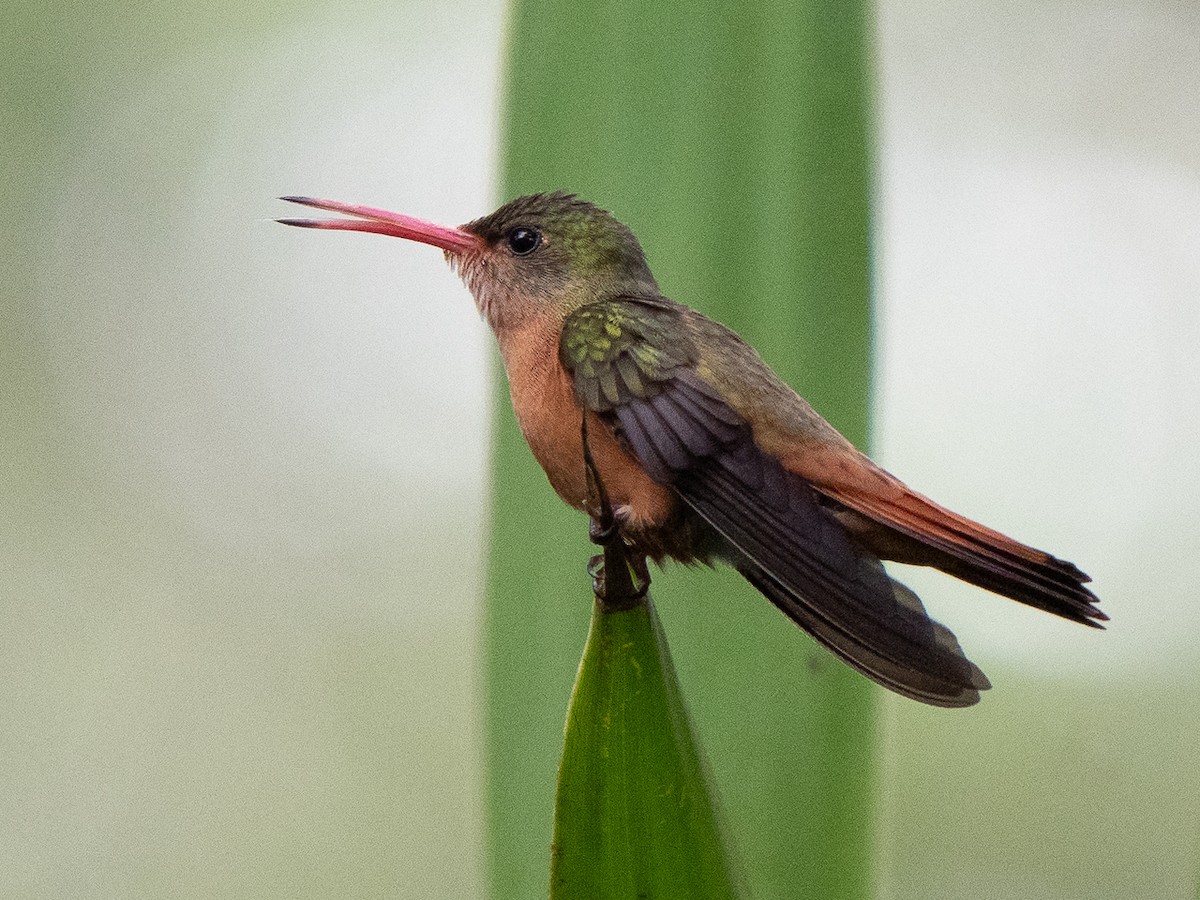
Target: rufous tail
x: 976, y: 553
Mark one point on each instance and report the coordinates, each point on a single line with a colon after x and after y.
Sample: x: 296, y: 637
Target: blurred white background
x: 1040, y: 370
x: 244, y: 480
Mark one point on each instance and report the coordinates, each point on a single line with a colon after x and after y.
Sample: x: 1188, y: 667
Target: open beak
x: 380, y: 221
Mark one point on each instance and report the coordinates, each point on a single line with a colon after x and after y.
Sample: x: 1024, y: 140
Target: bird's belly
x: 556, y: 442
x: 550, y: 419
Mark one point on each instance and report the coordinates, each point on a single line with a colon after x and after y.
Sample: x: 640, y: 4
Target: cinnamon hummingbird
x: 706, y: 454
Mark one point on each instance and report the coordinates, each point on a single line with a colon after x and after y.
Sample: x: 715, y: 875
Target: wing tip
x: 950, y: 681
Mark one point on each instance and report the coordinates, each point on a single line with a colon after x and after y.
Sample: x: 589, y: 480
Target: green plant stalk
x: 633, y: 816
x: 733, y: 139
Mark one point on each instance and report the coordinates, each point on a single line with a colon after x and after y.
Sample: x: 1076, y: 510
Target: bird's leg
x: 604, y: 528
x: 631, y: 579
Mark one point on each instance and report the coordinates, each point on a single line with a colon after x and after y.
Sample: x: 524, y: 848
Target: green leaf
x: 634, y: 816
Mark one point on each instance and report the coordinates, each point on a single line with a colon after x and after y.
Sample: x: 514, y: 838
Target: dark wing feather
x: 785, y: 543
x: 770, y: 521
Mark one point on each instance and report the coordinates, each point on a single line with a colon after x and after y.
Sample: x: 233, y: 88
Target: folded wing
x: 773, y: 524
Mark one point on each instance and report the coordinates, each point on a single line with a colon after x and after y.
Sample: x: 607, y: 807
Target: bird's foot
x: 595, y: 568
x: 626, y: 592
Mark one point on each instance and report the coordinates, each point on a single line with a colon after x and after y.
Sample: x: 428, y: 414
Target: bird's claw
x: 595, y: 568
x: 639, y: 582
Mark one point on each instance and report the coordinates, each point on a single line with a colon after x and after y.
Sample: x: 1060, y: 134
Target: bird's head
x: 543, y: 254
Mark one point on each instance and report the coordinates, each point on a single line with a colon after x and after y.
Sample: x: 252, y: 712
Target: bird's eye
x: 522, y: 241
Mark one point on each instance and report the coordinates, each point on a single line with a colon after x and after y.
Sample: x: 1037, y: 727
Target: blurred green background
x: 243, y: 473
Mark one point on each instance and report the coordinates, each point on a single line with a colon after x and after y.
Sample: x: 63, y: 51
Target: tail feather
x: 978, y: 554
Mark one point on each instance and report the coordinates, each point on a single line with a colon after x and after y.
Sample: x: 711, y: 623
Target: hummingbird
x: 706, y: 454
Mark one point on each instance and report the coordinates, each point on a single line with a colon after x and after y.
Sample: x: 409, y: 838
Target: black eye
x: 522, y: 241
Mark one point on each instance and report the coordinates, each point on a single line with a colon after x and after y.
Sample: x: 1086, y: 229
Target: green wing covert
x: 622, y: 349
